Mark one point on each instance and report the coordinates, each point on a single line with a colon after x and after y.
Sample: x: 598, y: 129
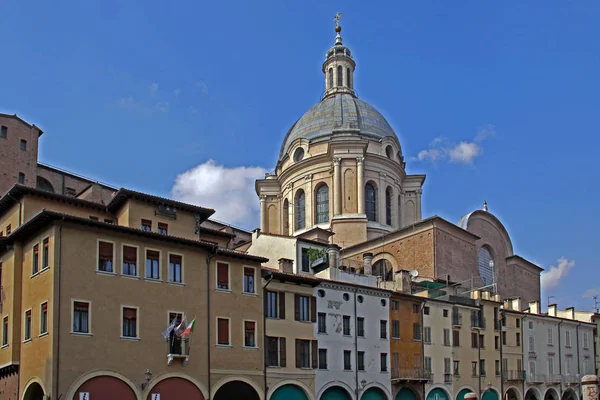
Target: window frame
x: 181, y: 272
x: 45, y: 253
x: 394, y: 323
x: 321, y: 205
x: 137, y: 260
x: 371, y: 213
x: 21, y: 178
x: 43, y: 333
x: 383, y: 361
x: 244, y: 345
x: 228, y: 289
x: 360, y: 328
x: 98, y: 270
x: 160, y: 226
x: 229, y: 344
x: 137, y: 323
x: 5, y: 333
x: 25, y: 328
x: 299, y: 211
x: 319, y: 365
x: 23, y: 145
x: 142, y: 225
x: 344, y: 319
x: 350, y: 360
x: 146, y: 249
x: 89, y: 319
x: 35, y: 259
x: 254, y: 293
x: 3, y: 132
x: 323, y: 325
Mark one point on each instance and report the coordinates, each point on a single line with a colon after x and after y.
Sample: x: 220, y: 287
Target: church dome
x: 338, y: 114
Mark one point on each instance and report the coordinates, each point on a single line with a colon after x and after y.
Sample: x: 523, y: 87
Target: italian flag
x: 190, y: 328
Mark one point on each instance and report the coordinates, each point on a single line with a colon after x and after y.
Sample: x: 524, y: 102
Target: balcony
x: 456, y: 319
x: 554, y: 378
x: 536, y: 378
x: 410, y: 374
x: 513, y: 375
x: 497, y: 325
x: 447, y: 378
x: 478, y: 323
x: 178, y: 349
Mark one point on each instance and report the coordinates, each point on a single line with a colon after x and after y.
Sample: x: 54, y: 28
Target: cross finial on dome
x: 338, y: 28
x: 485, y: 207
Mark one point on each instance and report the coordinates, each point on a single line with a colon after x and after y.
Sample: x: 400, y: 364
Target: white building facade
x: 353, y: 342
x: 437, y: 346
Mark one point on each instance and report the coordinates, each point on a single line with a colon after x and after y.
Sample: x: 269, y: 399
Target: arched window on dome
x: 298, y: 154
x: 286, y: 217
x: 340, y: 76
x: 299, y: 210
x: 322, y: 196
x: 349, y: 78
x: 371, y: 202
x: 389, y: 152
x: 486, y: 265
x: 330, y: 78
x: 388, y: 206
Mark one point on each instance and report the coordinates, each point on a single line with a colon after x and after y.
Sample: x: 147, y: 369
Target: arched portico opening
x: 512, y: 394
x: 405, y: 394
x: 335, y: 393
x: 438, y: 394
x: 490, y: 394
x: 551, y: 394
x: 176, y: 388
x: 569, y: 394
x: 236, y: 390
x: 373, y: 393
x: 289, y: 392
x: 532, y: 394
x: 34, y: 392
x: 461, y: 395
x: 105, y: 387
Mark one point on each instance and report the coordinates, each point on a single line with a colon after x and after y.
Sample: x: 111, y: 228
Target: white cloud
x: 552, y: 277
x: 230, y: 191
x: 162, y: 106
x: 153, y: 88
x: 465, y: 152
x: 590, y: 293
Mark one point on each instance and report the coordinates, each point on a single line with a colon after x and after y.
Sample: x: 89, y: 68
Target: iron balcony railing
x: 477, y: 322
x: 456, y: 319
x: 447, y: 378
x: 513, y: 375
x: 411, y: 374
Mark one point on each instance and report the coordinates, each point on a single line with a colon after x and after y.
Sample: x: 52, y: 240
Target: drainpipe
x: 523, y: 355
x: 578, y: 361
x: 423, y: 345
x: 502, y: 317
x: 560, y: 357
x: 355, y: 345
x: 58, y: 270
x: 269, y: 279
x: 479, y: 357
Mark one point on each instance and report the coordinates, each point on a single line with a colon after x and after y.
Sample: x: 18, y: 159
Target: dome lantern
x: 339, y: 66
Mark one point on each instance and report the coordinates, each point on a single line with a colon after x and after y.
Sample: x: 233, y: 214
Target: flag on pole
x: 190, y: 328
x: 181, y: 327
x: 167, y: 333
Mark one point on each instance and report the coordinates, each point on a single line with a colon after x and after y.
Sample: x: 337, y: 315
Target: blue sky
x: 136, y: 93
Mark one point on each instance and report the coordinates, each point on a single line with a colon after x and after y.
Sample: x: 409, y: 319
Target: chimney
x: 402, y: 280
x: 534, y: 307
x: 286, y: 265
x: 333, y: 255
x: 517, y: 304
x: 368, y: 263
x: 570, y: 313
x: 475, y: 295
x: 552, y: 310
x: 507, y: 304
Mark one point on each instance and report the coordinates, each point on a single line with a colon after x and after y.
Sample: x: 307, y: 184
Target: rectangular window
x: 518, y: 338
x: 519, y: 365
x: 43, y: 318
x: 302, y: 353
x: 532, y: 368
x: 223, y: 331
x: 152, y: 264
x: 474, y: 340
x: 383, y: 329
x: 427, y: 335
x: 531, y: 343
x: 445, y: 313
x: 481, y: 341
x: 271, y: 302
x: 517, y: 322
x: 222, y: 276
x: 129, y: 322
x: 322, y: 358
x: 383, y: 362
x: 360, y: 361
x: 497, y: 367
x: 302, y: 308
x: 415, y: 308
x: 550, y: 336
x: 505, y: 366
x: 36, y: 259
x: 396, y: 329
x: 321, y: 323
x: 81, y: 314
x: 305, y: 260
x: 105, y: 257
x: 569, y: 362
x: 272, y: 344
x: 346, y: 325
x: 550, y: 366
x: 482, y: 367
x: 3, y: 132
x: 5, y: 331
x: 146, y: 225
x: 504, y: 338
x: 23, y: 145
x: 496, y: 342
x: 129, y: 261
x: 586, y: 342
x: 530, y: 324
x: 426, y: 310
x: 163, y: 228
x: 427, y: 364
x: 456, y: 368
x: 249, y: 280
x: 568, y: 338
x: 394, y: 305
x: 27, y: 325
x: 416, y: 331
x: 175, y: 269
x: 360, y: 327
x: 447, y: 366
x: 456, y: 338
x: 249, y: 334
x: 474, y: 368
x: 21, y: 178
x: 45, y: 253
x: 446, y: 337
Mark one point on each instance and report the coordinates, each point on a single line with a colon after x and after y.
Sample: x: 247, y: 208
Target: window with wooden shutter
x: 313, y: 309
x: 298, y: 353
x: 314, y: 352
x: 223, y: 331
x: 272, y: 344
x: 282, y: 352
x: 222, y: 276
x: 281, y: 305
x: 297, y: 307
x: 105, y: 257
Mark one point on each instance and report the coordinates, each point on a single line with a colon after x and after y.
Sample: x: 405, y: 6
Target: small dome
x: 339, y: 114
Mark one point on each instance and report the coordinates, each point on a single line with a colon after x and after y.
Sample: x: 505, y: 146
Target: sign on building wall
x: 155, y: 396
x: 84, y: 395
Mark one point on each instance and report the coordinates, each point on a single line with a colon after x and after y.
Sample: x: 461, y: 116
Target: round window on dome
x: 389, y: 152
x: 298, y: 154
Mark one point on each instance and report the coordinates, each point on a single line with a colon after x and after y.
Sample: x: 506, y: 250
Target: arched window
x: 388, y: 206
x: 486, y: 266
x: 322, y: 204
x: 286, y: 217
x: 349, y: 78
x: 389, y: 152
x: 399, y: 211
x: 330, y: 78
x: 384, y: 270
x: 371, y: 202
x: 298, y: 154
x: 299, y: 210
x: 340, y: 76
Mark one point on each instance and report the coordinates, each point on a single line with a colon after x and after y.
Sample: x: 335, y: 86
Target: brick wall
x: 13, y: 160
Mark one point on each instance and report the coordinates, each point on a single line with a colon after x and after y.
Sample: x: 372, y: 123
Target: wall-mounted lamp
x: 148, y: 376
